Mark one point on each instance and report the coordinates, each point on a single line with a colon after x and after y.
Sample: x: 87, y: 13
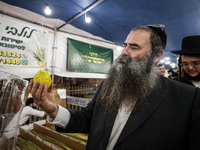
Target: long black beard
x: 129, y: 83
x: 188, y: 77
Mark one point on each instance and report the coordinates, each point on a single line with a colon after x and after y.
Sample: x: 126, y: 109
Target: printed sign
x: 84, y: 57
x: 78, y: 101
x: 21, y: 44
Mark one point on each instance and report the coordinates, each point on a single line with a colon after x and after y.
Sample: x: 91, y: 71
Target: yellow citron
x: 40, y: 63
x: 42, y: 76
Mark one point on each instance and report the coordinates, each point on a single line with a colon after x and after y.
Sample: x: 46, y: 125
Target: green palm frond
x: 39, y: 52
x: 36, y: 56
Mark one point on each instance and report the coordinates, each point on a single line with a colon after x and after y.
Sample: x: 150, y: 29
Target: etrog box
x: 72, y: 143
x: 46, y: 146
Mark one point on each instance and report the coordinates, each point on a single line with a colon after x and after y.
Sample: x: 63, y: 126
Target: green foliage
x: 40, y: 55
x: 52, y: 140
x: 24, y: 144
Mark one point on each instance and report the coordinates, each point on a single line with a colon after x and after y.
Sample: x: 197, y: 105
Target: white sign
x: 78, y: 101
x: 22, y: 44
x: 62, y: 93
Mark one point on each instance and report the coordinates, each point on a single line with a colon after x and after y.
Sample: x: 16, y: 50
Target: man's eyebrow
x: 191, y: 62
x: 195, y: 61
x: 131, y: 44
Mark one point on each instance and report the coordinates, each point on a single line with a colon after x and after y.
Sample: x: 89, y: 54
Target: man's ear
x: 158, y: 57
x: 31, y: 104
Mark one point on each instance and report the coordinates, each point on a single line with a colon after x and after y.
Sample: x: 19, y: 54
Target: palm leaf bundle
x: 24, y: 144
x: 77, y: 136
x: 54, y: 141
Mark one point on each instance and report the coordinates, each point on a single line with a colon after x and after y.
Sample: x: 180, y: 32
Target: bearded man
x: 134, y: 108
x: 189, y: 61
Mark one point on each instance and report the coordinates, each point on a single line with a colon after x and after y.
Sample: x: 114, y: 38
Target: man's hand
x: 43, y: 97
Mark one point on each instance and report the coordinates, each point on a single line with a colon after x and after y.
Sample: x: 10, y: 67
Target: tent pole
x: 82, y: 12
x: 48, y: 27
x: 54, y: 53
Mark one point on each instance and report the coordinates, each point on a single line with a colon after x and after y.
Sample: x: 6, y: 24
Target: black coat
x: 183, y: 80
x: 170, y: 120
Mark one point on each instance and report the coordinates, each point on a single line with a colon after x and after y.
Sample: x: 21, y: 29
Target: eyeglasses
x: 193, y: 64
x: 159, y: 30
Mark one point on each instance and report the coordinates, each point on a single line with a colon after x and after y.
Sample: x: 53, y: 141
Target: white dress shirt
x: 63, y: 117
x: 196, y: 83
x: 120, y: 121
x: 27, y: 112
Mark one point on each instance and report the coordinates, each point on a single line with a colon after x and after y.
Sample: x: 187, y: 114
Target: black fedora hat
x: 190, y: 46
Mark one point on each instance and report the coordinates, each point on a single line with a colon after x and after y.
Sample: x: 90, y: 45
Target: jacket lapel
x: 137, y: 118
x: 110, y: 119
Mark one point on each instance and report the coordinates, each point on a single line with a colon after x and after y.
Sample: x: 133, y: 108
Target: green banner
x: 84, y: 57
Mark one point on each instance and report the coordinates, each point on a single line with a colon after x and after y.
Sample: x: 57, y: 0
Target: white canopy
x: 56, y: 60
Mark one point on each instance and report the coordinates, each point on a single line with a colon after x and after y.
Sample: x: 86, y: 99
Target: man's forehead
x: 161, y: 66
x: 190, y: 57
x: 138, y: 36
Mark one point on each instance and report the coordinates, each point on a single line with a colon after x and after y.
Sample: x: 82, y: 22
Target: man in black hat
x: 189, y: 61
x: 170, y: 71
x: 134, y: 108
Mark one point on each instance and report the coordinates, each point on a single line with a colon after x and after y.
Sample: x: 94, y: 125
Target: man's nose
x: 125, y: 51
x: 190, y: 66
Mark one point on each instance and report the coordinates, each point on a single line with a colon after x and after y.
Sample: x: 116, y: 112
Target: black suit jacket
x: 183, y: 80
x: 169, y: 120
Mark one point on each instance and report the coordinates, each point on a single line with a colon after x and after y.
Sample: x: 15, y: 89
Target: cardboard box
x: 44, y: 145
x: 72, y: 143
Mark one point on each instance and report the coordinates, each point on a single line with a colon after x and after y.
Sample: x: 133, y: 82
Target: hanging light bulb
x: 119, y: 48
x: 87, y: 19
x: 47, y: 10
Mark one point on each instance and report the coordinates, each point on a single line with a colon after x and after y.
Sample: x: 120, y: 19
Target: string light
x: 47, y: 10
